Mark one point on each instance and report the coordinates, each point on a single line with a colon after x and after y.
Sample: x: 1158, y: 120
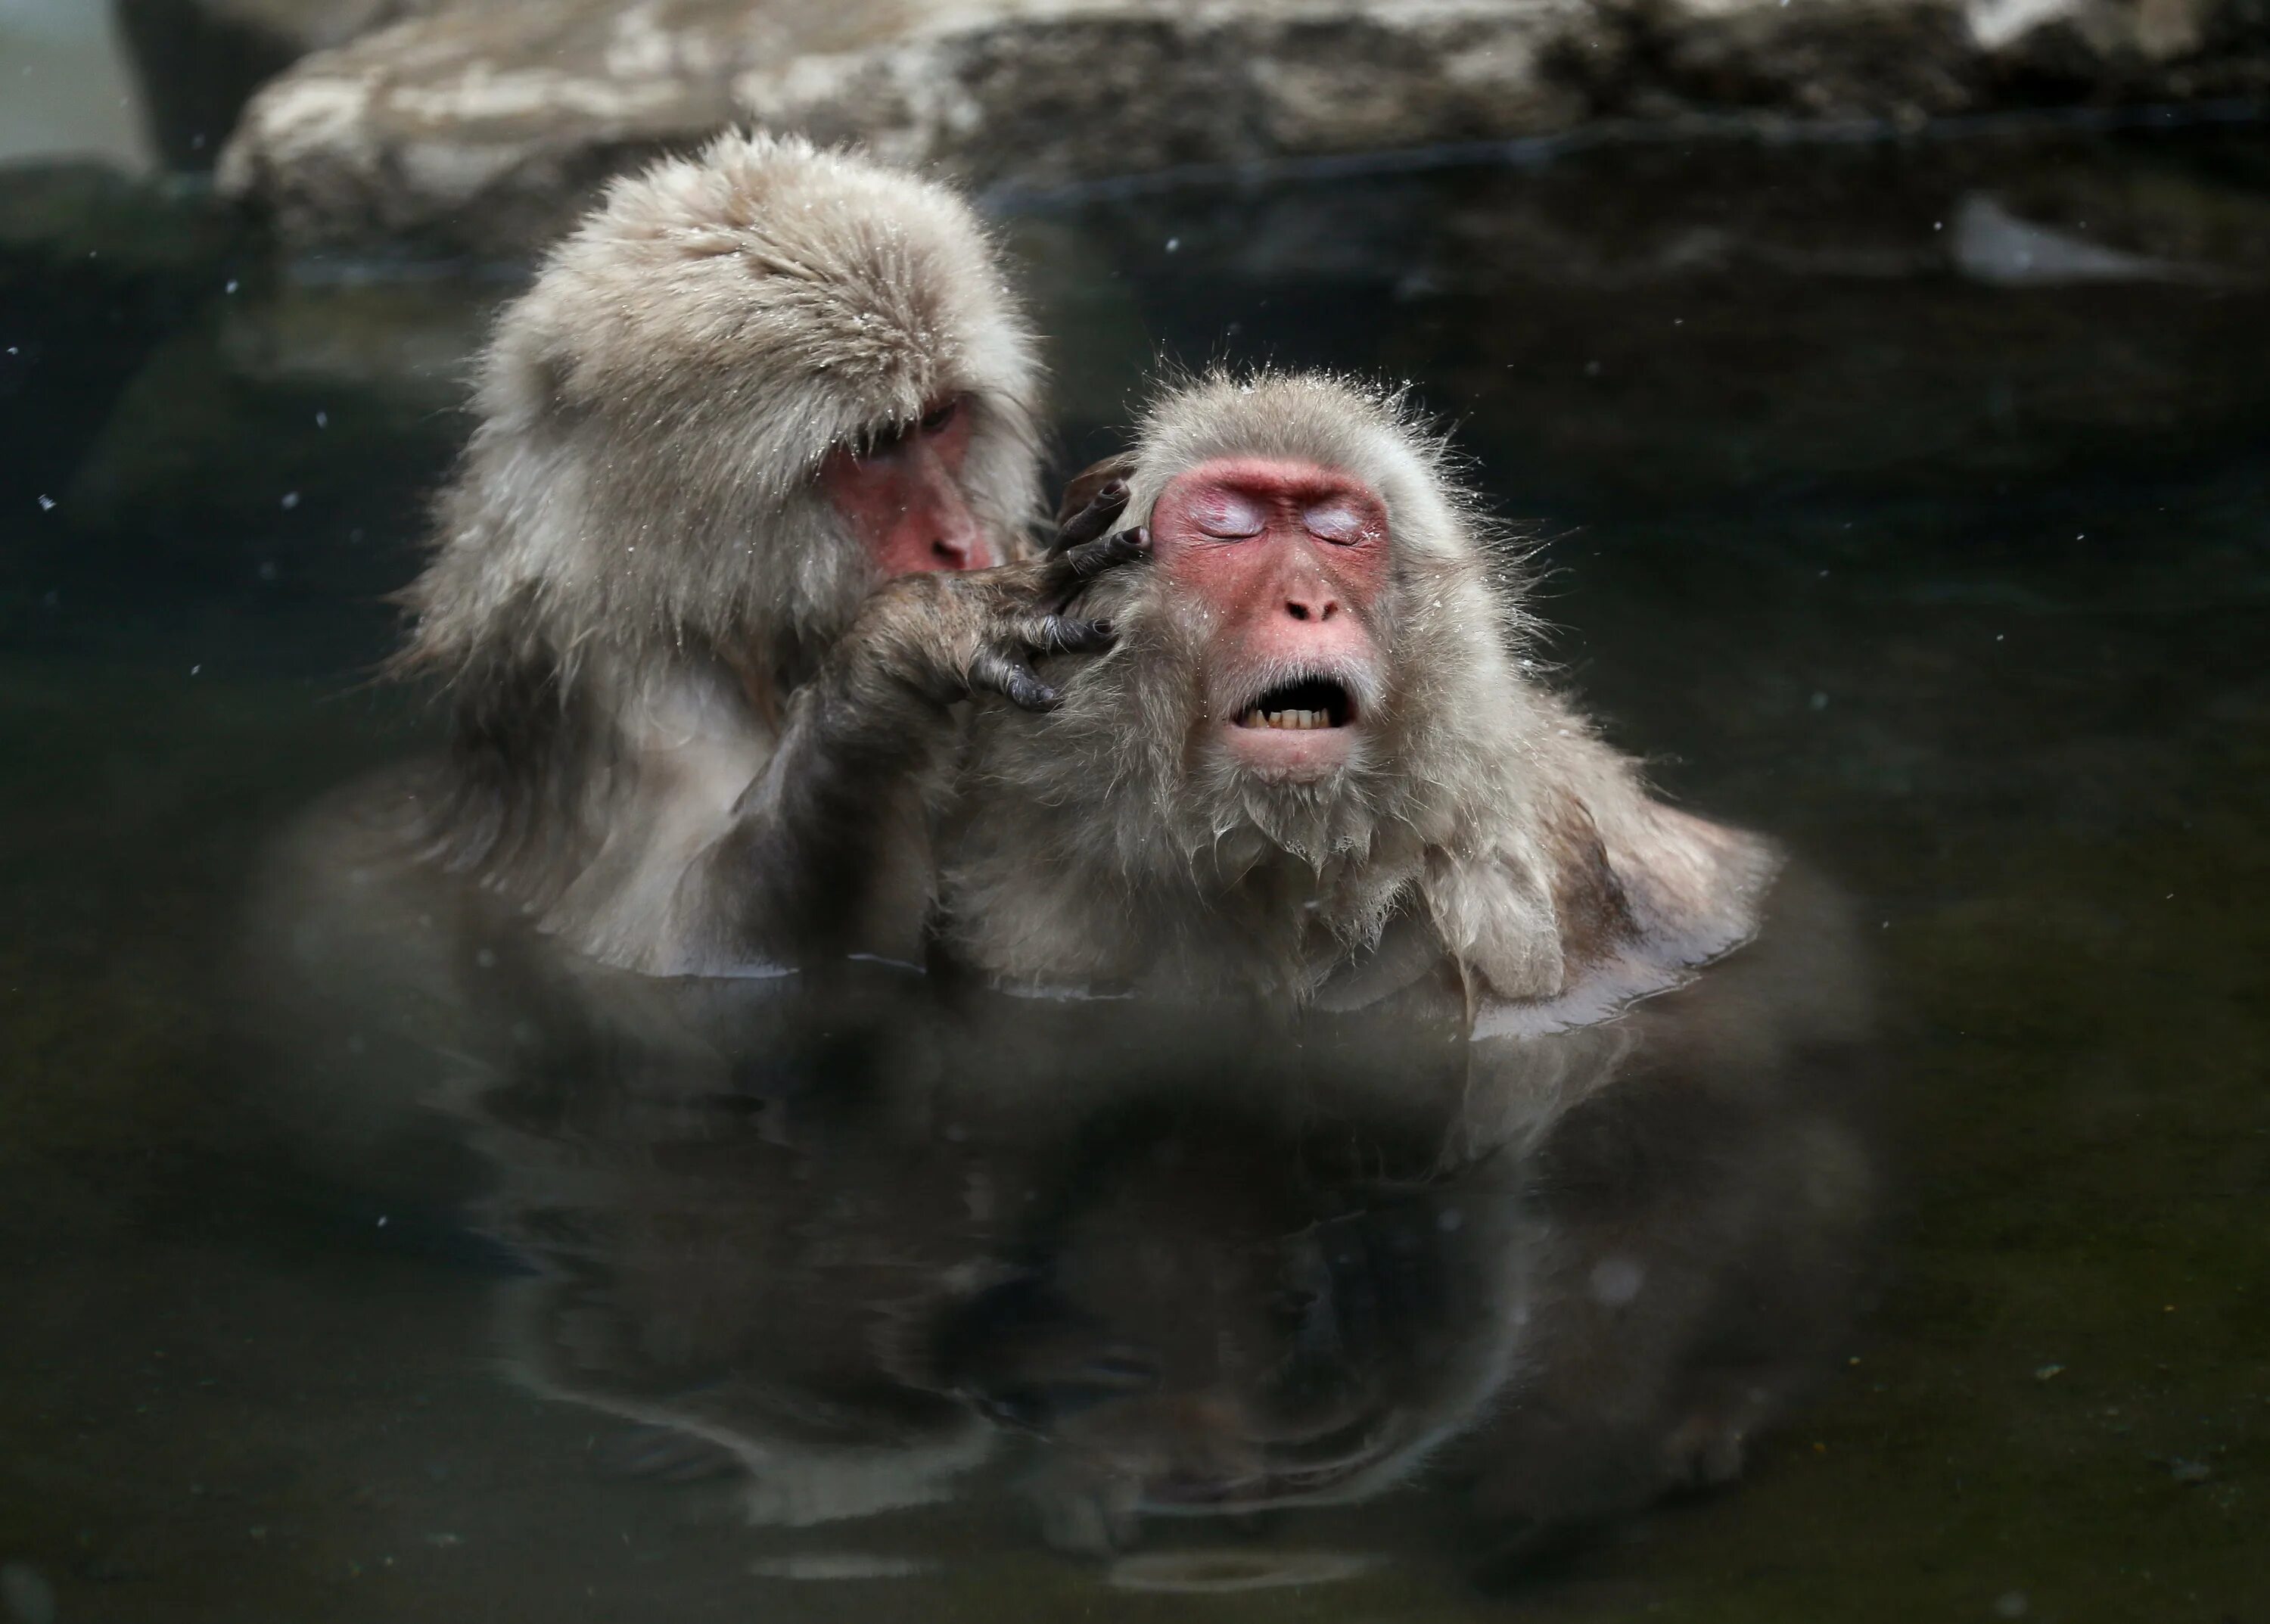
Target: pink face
x: 1289, y: 559
x: 903, y: 496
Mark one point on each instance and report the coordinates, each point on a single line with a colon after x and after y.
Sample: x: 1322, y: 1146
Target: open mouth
x: 1302, y: 706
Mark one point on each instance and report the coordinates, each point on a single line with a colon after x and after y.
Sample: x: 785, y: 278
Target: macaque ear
x: 1089, y: 480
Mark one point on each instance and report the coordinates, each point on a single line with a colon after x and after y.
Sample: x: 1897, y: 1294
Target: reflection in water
x: 857, y: 1243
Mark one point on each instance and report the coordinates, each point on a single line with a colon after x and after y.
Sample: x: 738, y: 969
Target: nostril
x: 1299, y: 611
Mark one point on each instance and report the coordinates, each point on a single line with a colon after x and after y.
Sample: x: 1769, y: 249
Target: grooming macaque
x: 1311, y: 767
x: 749, y: 387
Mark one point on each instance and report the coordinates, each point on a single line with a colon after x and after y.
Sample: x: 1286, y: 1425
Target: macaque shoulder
x: 1613, y: 900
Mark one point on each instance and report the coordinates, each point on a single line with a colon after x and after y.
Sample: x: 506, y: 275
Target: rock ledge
x: 481, y: 126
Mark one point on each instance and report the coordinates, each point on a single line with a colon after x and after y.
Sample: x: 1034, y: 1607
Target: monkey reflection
x: 1559, y: 1274
x: 1210, y: 1324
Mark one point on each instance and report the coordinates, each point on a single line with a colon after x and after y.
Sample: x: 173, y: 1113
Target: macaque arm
x: 839, y: 810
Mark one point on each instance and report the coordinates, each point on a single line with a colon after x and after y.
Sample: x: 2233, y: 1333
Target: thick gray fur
x: 1484, y: 830
x: 633, y: 566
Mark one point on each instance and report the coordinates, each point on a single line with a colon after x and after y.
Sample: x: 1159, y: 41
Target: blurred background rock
x: 482, y: 125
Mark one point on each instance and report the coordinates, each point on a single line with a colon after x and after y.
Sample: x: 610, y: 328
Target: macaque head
x: 749, y: 386
x: 1317, y: 622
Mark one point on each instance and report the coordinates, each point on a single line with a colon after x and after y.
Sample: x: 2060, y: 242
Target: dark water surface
x: 1909, y: 501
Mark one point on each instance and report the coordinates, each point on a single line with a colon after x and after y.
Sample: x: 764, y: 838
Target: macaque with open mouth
x: 1311, y: 767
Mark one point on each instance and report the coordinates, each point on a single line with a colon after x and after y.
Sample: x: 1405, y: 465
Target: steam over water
x: 1905, y: 501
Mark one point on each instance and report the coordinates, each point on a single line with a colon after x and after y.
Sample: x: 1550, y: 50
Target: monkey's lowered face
x: 1291, y: 557
x: 901, y: 494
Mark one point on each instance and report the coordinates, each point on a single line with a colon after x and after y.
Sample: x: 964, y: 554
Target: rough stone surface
x: 484, y: 126
x: 199, y: 61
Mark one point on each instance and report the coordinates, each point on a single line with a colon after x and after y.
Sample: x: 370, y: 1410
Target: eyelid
x: 1339, y: 523
x: 1227, y: 516
x: 891, y: 437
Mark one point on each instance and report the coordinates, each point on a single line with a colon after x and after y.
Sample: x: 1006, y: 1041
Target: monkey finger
x: 1064, y: 633
x: 993, y: 672
x: 1085, y: 562
x: 1109, y: 500
x: 1090, y: 479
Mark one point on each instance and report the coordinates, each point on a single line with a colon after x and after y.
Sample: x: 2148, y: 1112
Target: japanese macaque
x: 749, y: 387
x: 1313, y: 765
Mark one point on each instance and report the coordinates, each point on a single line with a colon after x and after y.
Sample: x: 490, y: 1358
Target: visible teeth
x: 1298, y: 720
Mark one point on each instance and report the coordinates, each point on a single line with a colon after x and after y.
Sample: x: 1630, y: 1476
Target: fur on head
x: 654, y: 411
x: 1449, y: 636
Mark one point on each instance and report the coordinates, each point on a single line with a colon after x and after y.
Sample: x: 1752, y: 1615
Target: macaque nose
x: 956, y: 541
x: 959, y: 546
x: 1317, y: 604
x: 951, y: 554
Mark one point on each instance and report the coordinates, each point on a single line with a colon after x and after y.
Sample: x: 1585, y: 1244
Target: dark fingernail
x: 1102, y: 627
x: 1111, y: 490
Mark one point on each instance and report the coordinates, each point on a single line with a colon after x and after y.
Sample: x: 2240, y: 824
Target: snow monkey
x: 747, y: 388
x: 1313, y: 765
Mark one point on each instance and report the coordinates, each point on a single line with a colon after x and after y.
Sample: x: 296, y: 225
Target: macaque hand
x: 952, y: 635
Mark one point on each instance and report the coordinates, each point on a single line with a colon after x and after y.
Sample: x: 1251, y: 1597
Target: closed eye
x: 1227, y: 516
x: 1337, y: 522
